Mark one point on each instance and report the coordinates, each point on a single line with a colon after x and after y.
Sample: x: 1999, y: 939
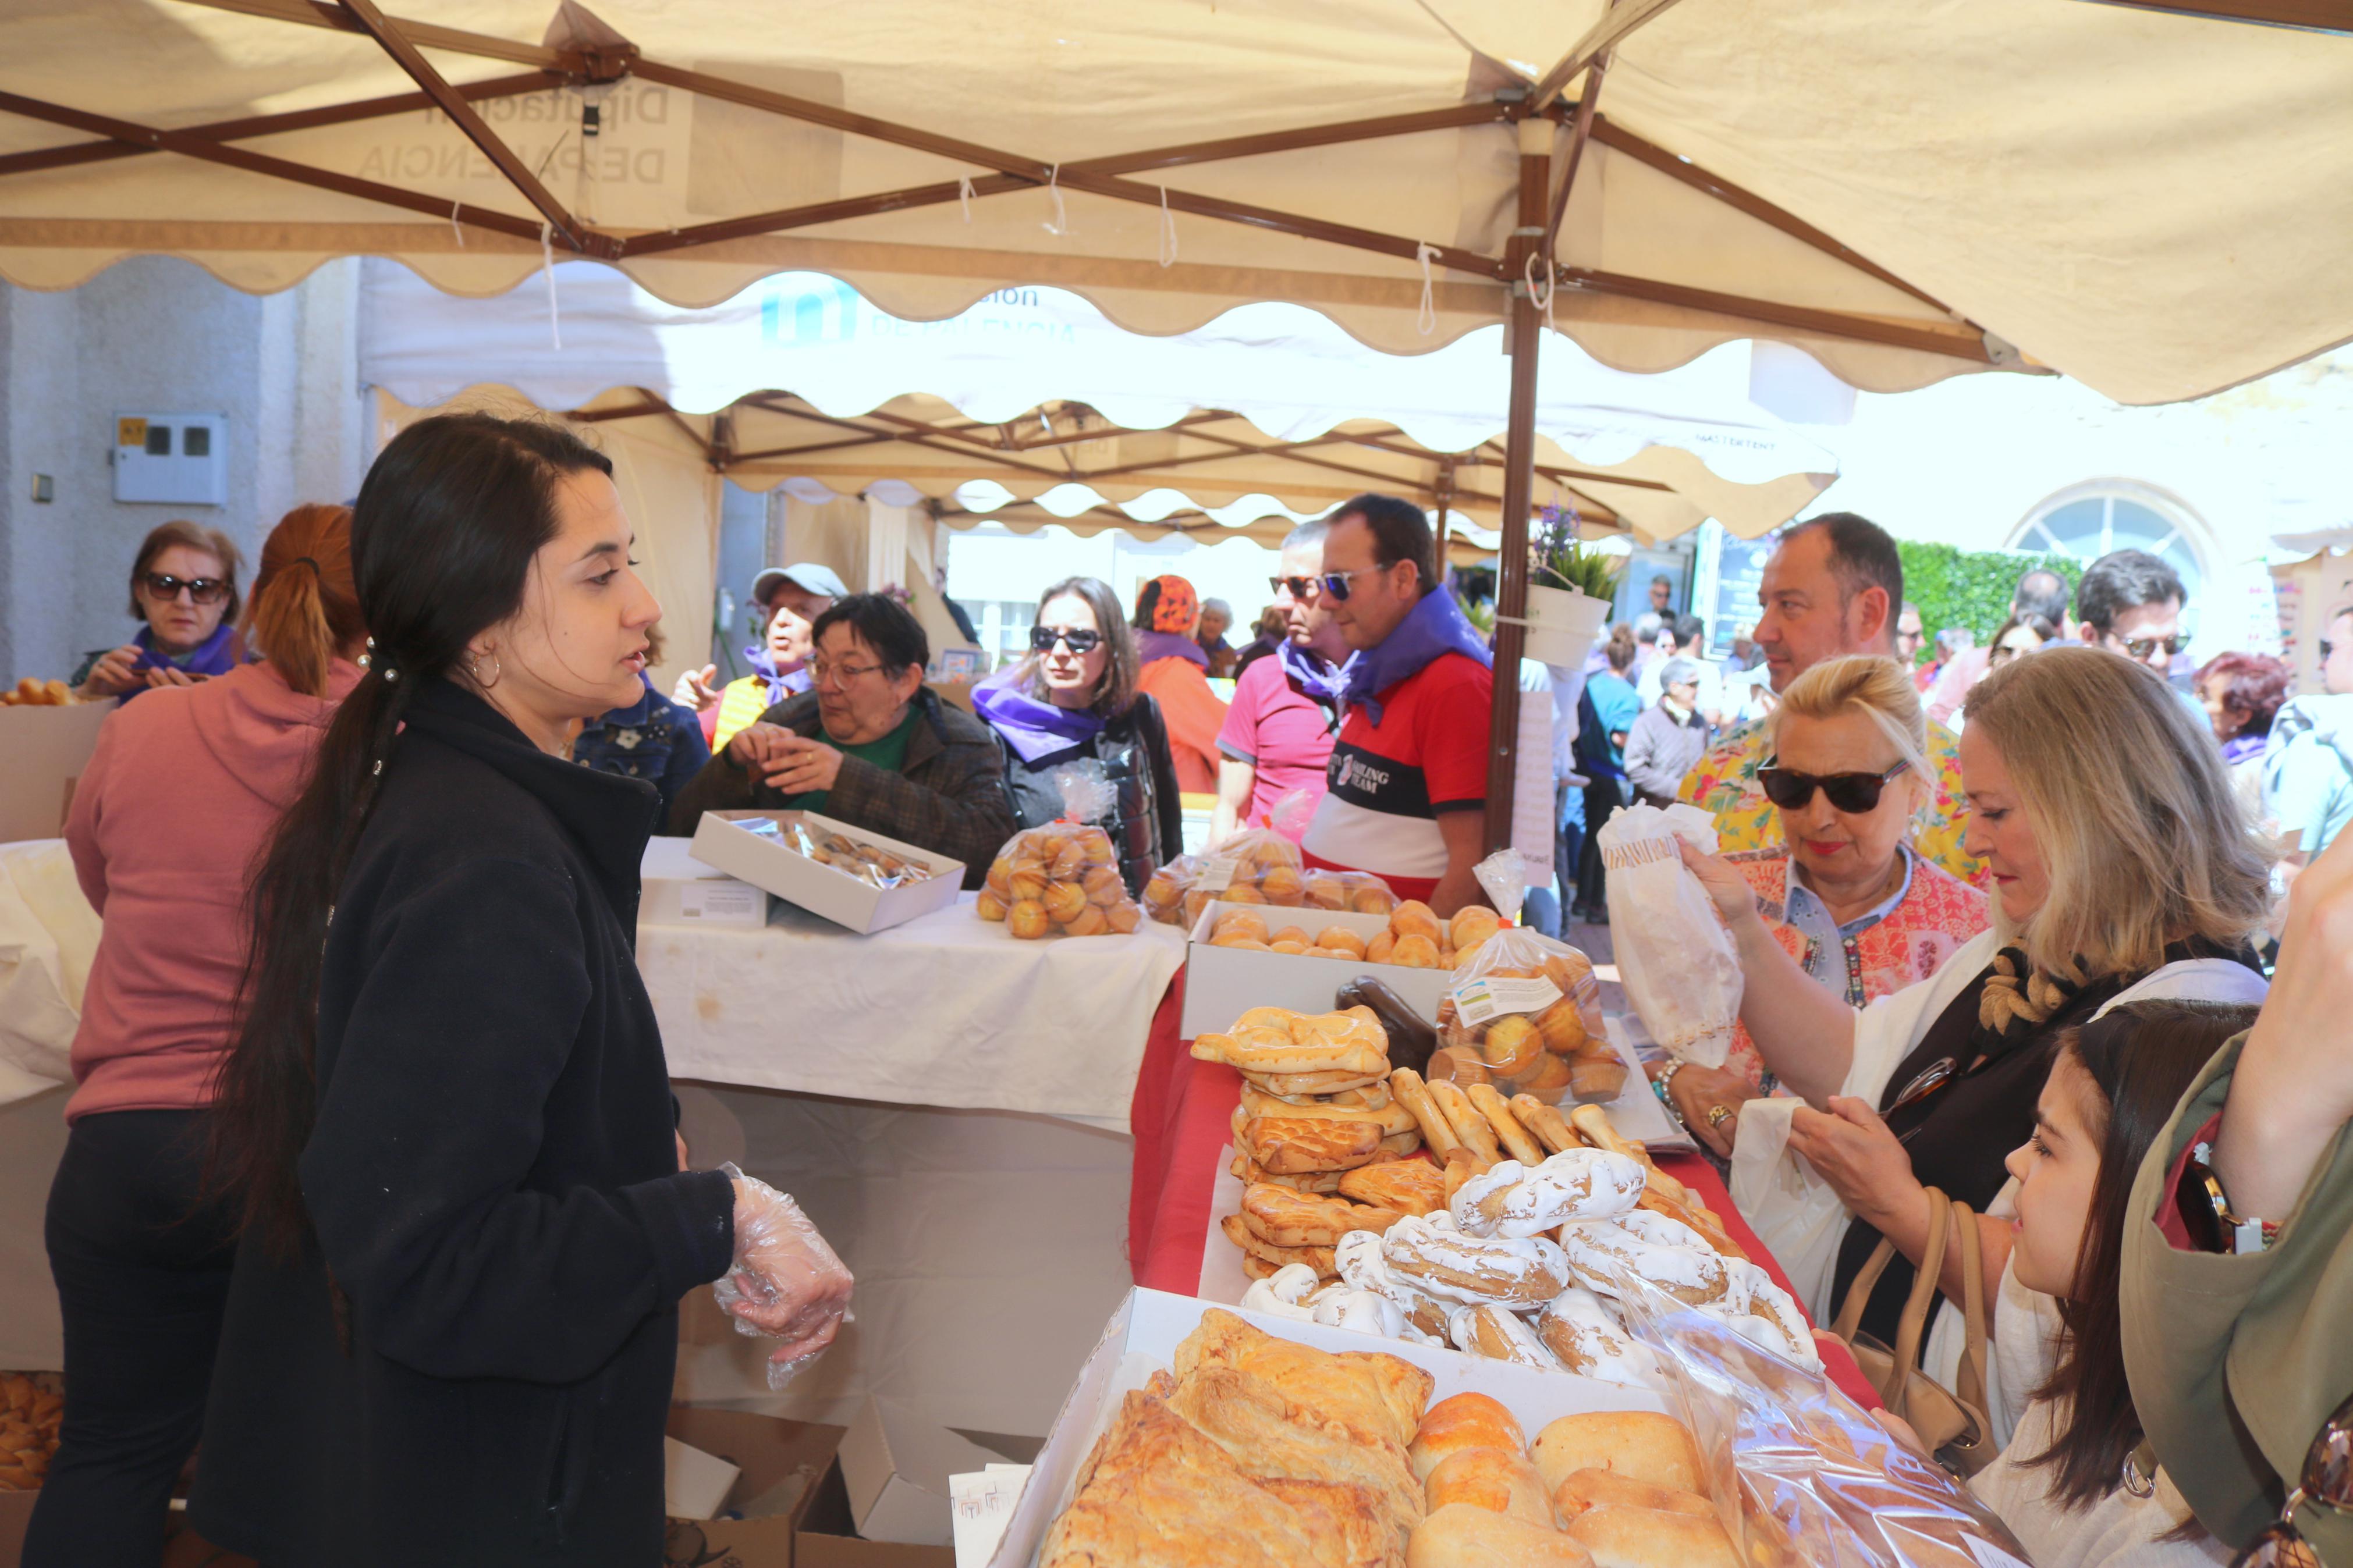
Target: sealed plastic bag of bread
x: 1257, y: 866
x: 1676, y: 961
x: 1524, y: 1013
x: 1062, y: 879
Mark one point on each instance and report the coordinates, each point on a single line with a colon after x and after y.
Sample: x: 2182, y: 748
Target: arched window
x: 2089, y: 521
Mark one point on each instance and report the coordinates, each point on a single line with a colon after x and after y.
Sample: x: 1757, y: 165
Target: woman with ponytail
x: 445, y: 1118
x: 179, y: 799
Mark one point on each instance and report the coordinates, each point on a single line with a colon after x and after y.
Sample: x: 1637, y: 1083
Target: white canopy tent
x: 1904, y: 193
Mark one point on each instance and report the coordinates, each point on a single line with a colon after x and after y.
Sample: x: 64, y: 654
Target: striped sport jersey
x: 1389, y: 780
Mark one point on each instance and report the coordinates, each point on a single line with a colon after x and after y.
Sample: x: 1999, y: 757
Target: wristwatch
x: 2206, y: 1211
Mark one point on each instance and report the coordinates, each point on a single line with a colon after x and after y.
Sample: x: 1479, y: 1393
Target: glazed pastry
x: 1498, y: 1335
x: 1638, y: 1443
x: 1507, y: 1127
x: 1514, y: 1200
x: 1498, y: 1479
x: 1290, y: 1144
x: 1319, y: 1259
x: 1251, y: 1173
x: 1773, y: 1319
x: 1576, y: 1328
x: 1434, y: 1257
x: 1408, y: 1186
x: 1466, y: 1421
x: 1277, y: 1042
x: 1389, y: 1116
x: 1286, y: 1218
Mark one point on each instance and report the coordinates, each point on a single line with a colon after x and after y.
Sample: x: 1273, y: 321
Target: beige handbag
x: 1951, y: 1422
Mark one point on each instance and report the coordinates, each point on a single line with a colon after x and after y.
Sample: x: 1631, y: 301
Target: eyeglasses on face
x: 2327, y: 649
x: 2003, y: 653
x: 1083, y: 641
x: 2141, y: 647
x: 822, y: 674
x: 1299, y: 588
x: 1851, y: 793
x: 163, y: 587
x: 2327, y: 1480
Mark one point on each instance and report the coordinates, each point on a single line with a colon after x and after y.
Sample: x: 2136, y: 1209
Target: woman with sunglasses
x: 2236, y: 1298
x: 1846, y: 897
x: 184, y: 586
x: 1074, y: 701
x: 2120, y: 869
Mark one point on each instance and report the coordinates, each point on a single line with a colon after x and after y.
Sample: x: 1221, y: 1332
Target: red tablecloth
x: 1181, y: 1116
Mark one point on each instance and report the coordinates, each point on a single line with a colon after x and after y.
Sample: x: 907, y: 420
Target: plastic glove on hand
x: 786, y: 1283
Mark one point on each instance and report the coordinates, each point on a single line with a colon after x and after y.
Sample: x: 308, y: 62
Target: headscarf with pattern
x: 1176, y: 607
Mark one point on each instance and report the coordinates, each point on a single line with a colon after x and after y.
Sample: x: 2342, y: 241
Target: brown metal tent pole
x: 1519, y: 482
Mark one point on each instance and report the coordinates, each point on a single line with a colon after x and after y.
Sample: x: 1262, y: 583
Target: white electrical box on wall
x: 172, y: 458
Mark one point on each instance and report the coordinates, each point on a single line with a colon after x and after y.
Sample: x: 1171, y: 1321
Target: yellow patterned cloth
x: 1724, y: 785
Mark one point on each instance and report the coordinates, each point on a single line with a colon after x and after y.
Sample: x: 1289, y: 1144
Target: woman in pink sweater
x: 182, y: 794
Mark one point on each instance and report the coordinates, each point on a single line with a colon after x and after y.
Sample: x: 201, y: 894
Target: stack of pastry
x: 30, y: 1414
x: 1419, y: 938
x: 1315, y: 1132
x: 1062, y: 879
x: 1616, y: 1489
x: 1253, y: 1450
x: 1544, y: 1043
x: 1260, y: 867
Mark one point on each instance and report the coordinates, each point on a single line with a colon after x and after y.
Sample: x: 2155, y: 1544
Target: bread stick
x: 1437, y: 1132
x: 1551, y: 1128
x: 1595, y: 1125
x: 1470, y: 1128
x: 1508, y: 1131
x: 1460, y: 1166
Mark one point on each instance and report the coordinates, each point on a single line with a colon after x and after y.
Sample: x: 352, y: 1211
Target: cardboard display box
x: 46, y: 750
x: 820, y: 889
x: 781, y: 1464
x: 1142, y: 1336
x: 1221, y: 983
x: 679, y: 890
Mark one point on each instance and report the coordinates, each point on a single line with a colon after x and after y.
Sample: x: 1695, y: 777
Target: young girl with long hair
x: 446, y: 1118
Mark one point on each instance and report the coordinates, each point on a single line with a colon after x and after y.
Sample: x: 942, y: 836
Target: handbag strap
x: 1849, y: 1321
x: 1970, y: 1379
x: 1918, y: 1306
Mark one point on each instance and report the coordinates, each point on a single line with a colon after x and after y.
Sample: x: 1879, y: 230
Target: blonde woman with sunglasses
x: 2120, y: 869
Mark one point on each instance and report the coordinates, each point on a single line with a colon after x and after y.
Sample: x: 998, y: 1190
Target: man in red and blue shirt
x: 1407, y: 779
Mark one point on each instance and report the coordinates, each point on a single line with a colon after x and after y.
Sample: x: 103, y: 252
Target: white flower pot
x: 1563, y: 626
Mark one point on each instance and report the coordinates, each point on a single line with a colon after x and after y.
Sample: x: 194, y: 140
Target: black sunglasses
x: 1851, y: 793
x: 2141, y: 647
x: 1336, y: 583
x: 2326, y: 649
x: 1304, y: 588
x: 2327, y: 1480
x: 201, y: 590
x: 1043, y: 638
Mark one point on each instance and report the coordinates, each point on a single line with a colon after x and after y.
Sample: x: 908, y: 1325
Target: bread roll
x: 1414, y: 953
x: 1280, y: 945
x: 1472, y: 924
x: 1638, y: 1443
x: 1498, y: 1479
x: 1240, y: 894
x: 1414, y: 918
x: 1026, y: 918
x: 1378, y: 949
x: 1621, y: 1537
x: 1455, y: 1426
x: 1293, y: 933
x: 1461, y: 1536
x: 988, y: 906
x: 1580, y: 1491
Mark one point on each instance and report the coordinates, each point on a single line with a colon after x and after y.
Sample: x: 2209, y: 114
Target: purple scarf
x: 2239, y: 748
x: 1436, y: 625
x: 763, y: 664
x: 213, y: 655
x: 1322, y: 681
x: 1150, y: 646
x: 1033, y: 728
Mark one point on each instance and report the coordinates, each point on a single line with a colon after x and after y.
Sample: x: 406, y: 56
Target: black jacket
x: 492, y: 1184
x: 1147, y: 823
x: 948, y: 796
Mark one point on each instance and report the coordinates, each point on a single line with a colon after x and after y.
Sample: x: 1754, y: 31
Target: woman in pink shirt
x: 181, y: 794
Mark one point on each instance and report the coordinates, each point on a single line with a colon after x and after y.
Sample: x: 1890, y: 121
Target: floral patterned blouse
x: 1724, y: 785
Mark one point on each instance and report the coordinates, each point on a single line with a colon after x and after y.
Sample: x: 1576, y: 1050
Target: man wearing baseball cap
x: 790, y: 599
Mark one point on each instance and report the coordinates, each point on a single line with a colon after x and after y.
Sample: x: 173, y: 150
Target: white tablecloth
x: 946, y: 1010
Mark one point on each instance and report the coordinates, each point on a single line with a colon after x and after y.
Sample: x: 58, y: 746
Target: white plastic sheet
x: 1674, y: 957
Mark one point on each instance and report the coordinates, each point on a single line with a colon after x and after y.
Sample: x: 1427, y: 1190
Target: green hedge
x: 1969, y: 588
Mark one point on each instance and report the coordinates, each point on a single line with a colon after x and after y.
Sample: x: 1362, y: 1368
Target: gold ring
x: 1718, y: 1115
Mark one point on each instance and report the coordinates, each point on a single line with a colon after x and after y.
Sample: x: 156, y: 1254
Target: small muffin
x: 1026, y: 918
x: 1028, y: 881
x: 1124, y: 917
x: 1285, y: 886
x: 1063, y: 900
x: 988, y: 906
x: 1562, y: 1027
x: 1102, y: 885
x: 1089, y: 921
x: 1511, y: 1045
x: 1000, y: 877
x: 1161, y: 892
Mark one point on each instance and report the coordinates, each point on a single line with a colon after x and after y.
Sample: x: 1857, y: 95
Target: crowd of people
x: 373, y: 1181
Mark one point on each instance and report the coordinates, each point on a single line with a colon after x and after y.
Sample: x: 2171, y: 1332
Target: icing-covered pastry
x: 1284, y: 1293
x: 1498, y: 1335
x: 1429, y: 1253
x: 1516, y: 1200
x: 1361, y: 1267
x: 1345, y: 1306
x: 1771, y: 1317
x: 1577, y: 1327
x: 1695, y: 1274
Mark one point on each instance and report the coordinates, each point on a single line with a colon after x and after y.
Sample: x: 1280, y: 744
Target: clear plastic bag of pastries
x: 1062, y: 879
x: 1260, y: 867
x: 1524, y: 1014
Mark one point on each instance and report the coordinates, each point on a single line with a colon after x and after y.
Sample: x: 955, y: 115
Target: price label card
x: 707, y: 900
x: 1217, y: 875
x: 1487, y: 997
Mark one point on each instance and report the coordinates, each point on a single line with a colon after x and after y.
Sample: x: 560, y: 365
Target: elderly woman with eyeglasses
x: 867, y: 744
x: 1845, y: 897
x: 1071, y: 706
x: 2110, y: 883
x: 184, y: 586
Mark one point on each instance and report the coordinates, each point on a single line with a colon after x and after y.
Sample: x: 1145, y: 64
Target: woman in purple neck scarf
x: 1176, y: 674
x: 184, y: 586
x: 1071, y: 708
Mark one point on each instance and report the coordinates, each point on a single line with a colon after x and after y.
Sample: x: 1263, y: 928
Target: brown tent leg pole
x: 1519, y: 483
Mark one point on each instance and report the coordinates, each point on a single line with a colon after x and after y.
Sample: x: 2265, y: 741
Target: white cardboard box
x: 46, y: 750
x: 679, y: 890
x: 820, y: 889
x: 1221, y: 983
x: 695, y: 1484
x: 1142, y: 1337
x: 896, y: 1467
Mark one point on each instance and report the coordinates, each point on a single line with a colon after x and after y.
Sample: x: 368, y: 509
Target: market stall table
x: 950, y: 1106
x: 1189, y: 1105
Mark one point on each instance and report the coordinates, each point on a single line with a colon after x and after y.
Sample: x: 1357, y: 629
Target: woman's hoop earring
x: 474, y: 669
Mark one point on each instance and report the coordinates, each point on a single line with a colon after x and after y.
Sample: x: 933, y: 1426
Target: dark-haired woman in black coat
x: 451, y: 1331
